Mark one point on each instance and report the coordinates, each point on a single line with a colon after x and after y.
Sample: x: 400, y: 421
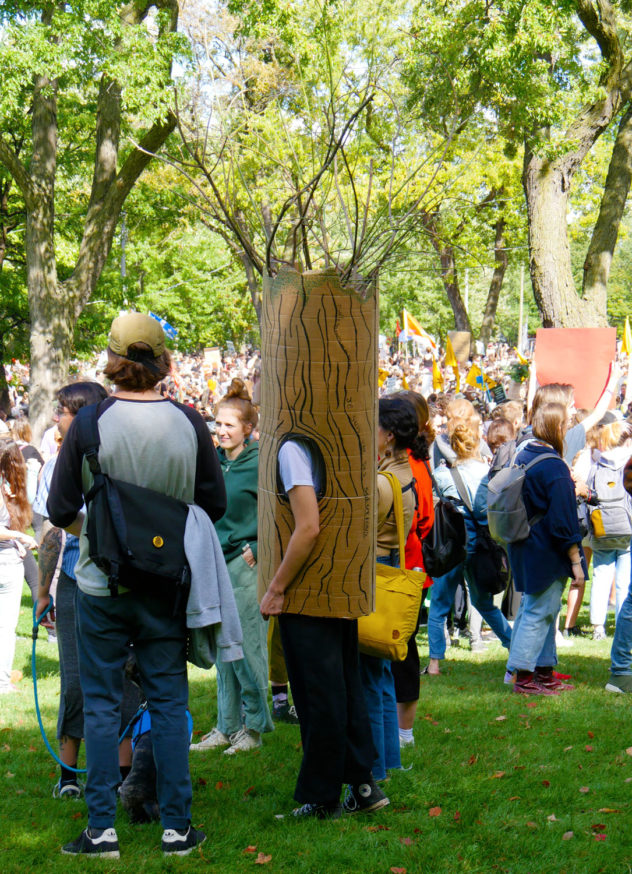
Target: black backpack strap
x: 87, y: 428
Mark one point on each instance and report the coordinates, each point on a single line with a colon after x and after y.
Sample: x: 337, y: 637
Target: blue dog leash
x: 36, y: 624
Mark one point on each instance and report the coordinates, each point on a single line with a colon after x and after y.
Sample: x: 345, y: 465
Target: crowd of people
x: 186, y: 427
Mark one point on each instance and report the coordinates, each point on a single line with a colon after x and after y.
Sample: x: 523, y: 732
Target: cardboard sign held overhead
x: 578, y: 356
x: 461, y: 341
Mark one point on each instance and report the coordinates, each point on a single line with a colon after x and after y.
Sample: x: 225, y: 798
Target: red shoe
x: 529, y: 686
x: 550, y: 681
x: 559, y: 676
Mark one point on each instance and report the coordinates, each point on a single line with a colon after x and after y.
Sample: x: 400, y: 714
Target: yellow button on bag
x: 158, y: 541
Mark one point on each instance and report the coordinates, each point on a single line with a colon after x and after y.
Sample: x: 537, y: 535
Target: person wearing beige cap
x: 149, y: 441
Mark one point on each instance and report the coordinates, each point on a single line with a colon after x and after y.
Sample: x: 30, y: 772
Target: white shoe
x: 560, y: 641
x: 212, y: 741
x: 406, y: 742
x: 244, y: 739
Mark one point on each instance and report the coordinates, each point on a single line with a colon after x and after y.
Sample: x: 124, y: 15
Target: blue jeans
x: 604, y: 562
x: 104, y: 627
x: 533, y: 638
x: 442, y: 599
x: 379, y: 692
x: 621, y: 653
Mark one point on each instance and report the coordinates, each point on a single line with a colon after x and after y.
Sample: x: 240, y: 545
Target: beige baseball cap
x: 136, y: 328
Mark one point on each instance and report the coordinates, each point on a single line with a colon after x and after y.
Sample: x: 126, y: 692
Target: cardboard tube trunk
x: 319, y: 386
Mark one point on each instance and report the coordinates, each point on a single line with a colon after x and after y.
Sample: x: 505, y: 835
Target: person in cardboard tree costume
x: 316, y: 570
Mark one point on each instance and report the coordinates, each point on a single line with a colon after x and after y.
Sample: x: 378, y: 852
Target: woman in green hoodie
x: 242, y: 686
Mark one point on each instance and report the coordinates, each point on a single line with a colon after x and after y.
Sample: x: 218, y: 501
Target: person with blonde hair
x: 465, y: 442
x: 611, y: 551
x: 550, y: 554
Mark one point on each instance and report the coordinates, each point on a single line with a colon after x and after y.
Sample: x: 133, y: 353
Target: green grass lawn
x: 495, y: 782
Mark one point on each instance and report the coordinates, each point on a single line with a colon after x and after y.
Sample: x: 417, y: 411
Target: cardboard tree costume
x: 319, y: 387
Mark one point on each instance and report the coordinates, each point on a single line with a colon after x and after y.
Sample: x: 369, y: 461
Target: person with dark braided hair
x: 398, y: 431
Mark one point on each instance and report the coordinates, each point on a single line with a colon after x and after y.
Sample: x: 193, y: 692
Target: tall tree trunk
x: 606, y: 230
x: 450, y: 279
x: 546, y: 186
x: 501, y: 258
x: 51, y: 331
x: 449, y: 274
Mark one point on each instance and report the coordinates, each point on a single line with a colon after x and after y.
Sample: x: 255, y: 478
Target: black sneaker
x: 332, y: 810
x: 285, y: 713
x: 573, y: 631
x: 364, y: 797
x: 180, y: 842
x: 94, y: 842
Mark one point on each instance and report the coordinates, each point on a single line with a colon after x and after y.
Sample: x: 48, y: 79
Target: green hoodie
x: 238, y: 525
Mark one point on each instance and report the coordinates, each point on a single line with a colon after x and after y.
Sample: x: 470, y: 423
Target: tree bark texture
x: 546, y: 186
x: 449, y: 273
x: 319, y: 383
x: 501, y: 261
x: 611, y: 210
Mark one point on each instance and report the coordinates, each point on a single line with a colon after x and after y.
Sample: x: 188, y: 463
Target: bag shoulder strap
x: 398, y: 509
x: 542, y: 457
x: 461, y: 489
x: 88, y: 438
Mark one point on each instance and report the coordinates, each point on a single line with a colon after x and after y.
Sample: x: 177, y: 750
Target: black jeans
x: 323, y: 669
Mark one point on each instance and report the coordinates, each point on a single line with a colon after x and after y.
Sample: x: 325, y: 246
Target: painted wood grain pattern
x: 319, y: 380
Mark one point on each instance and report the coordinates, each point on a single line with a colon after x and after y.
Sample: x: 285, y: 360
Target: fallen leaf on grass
x: 9, y: 774
x: 628, y: 780
x: 599, y: 837
x: 546, y: 783
x: 566, y: 749
x: 434, y: 811
x: 201, y: 781
x: 250, y: 849
x: 497, y: 775
x: 598, y: 827
x: 249, y: 791
x: 531, y: 704
x: 515, y: 798
x: 584, y: 789
x: 591, y: 734
x: 532, y: 825
x: 588, y: 748
x: 377, y: 828
x: 219, y: 785
x: 32, y: 749
x: 6, y: 748
x: 500, y: 718
x: 262, y: 859
x: 77, y: 815
x: 407, y: 842
x: 567, y: 836
x: 609, y: 810
x: 20, y: 791
x: 398, y: 871
x: 552, y: 818
x: 457, y: 816
x: 472, y: 759
x: 629, y: 751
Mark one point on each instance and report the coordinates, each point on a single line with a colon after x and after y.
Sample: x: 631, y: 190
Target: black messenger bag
x: 135, y: 535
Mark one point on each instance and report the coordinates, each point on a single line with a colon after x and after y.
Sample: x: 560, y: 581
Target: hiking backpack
x: 611, y: 518
x: 506, y: 513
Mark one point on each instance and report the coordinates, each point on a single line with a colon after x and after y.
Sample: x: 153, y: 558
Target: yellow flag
x: 437, y: 378
x: 450, y: 357
x: 457, y: 377
x: 382, y: 376
x: 626, y: 346
x: 521, y: 358
x: 477, y: 379
x: 405, y: 385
